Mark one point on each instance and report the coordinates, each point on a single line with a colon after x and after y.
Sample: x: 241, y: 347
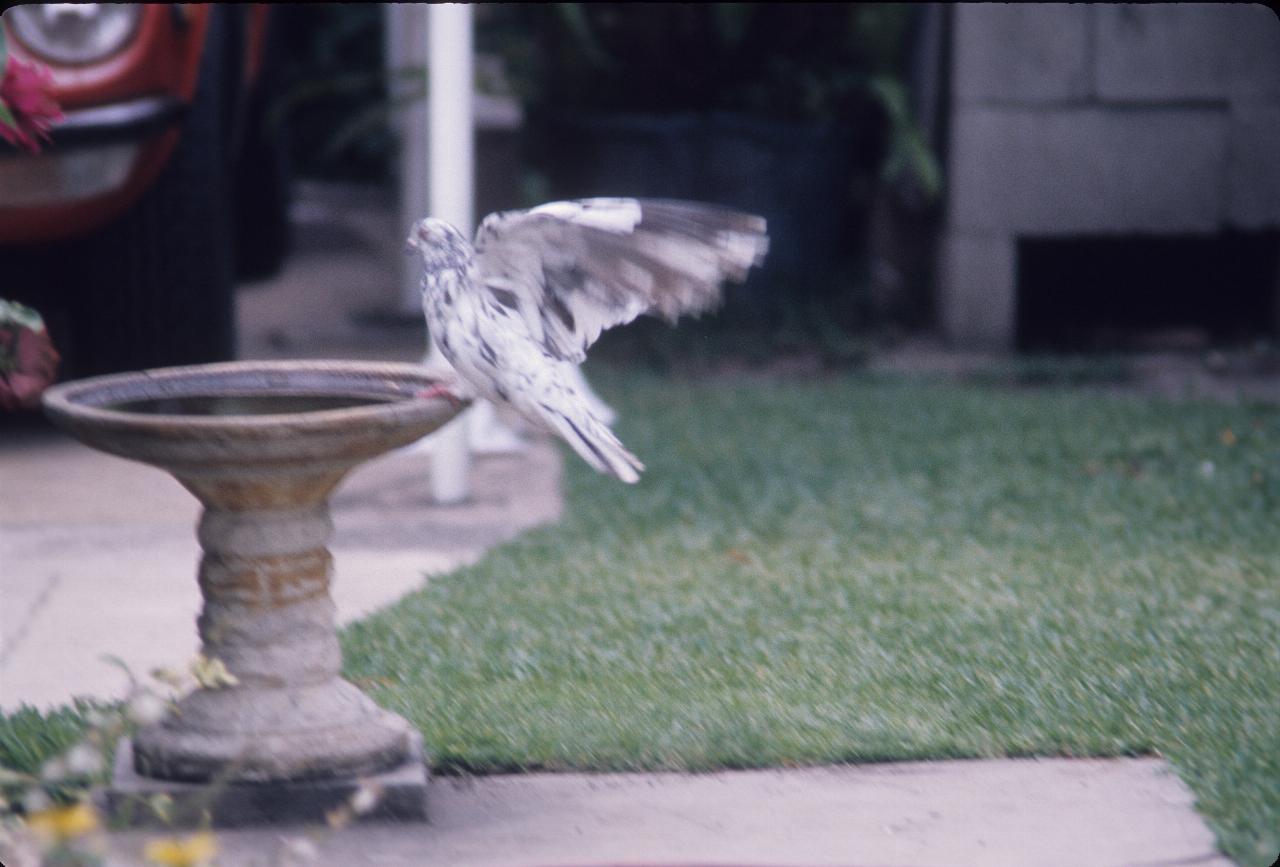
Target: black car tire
x: 263, y: 172
x: 156, y: 287
x: 262, y: 205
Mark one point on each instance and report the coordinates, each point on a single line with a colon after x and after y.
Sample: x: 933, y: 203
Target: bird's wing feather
x: 574, y: 269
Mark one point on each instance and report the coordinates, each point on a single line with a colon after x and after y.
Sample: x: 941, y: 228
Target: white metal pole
x: 406, y: 44
x: 450, y: 182
x: 449, y: 47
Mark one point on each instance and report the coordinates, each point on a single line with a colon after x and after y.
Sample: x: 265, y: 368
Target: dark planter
x: 798, y: 176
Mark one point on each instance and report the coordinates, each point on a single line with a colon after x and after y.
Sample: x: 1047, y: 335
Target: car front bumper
x: 100, y: 158
x: 120, y: 121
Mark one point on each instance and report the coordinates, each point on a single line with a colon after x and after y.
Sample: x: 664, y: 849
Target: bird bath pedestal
x: 262, y: 445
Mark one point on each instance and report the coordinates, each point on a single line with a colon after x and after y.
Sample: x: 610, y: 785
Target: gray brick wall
x: 1030, y: 53
x: 1072, y: 119
x: 1192, y: 51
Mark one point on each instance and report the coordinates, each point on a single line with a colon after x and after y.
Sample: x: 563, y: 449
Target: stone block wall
x: 1077, y: 119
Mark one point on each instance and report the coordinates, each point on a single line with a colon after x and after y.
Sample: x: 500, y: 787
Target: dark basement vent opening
x: 1147, y: 292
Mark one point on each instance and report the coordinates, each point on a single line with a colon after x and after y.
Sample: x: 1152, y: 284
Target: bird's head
x: 440, y: 244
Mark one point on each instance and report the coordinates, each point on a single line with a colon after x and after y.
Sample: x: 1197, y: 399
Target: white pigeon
x: 516, y: 312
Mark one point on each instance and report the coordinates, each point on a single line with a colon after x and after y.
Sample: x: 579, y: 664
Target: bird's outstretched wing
x: 572, y: 269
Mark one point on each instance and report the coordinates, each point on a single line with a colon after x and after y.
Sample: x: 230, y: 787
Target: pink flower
x: 24, y: 92
x: 28, y: 360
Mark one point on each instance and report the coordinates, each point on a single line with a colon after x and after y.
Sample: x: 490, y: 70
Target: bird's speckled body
x: 517, y: 311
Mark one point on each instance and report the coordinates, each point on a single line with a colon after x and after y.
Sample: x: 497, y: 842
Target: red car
x: 163, y: 181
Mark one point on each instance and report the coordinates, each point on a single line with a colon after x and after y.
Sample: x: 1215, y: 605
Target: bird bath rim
x: 391, y: 386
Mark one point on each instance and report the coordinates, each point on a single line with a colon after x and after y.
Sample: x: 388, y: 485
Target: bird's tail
x: 595, y: 443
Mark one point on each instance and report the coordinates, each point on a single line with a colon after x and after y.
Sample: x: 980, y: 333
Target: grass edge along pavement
x: 866, y: 569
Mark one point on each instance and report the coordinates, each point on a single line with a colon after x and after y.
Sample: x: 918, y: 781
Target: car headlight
x: 74, y: 33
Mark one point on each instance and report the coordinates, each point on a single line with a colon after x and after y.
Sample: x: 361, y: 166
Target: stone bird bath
x: 262, y: 444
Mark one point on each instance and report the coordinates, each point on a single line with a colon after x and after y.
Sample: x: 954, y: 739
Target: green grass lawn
x: 866, y: 569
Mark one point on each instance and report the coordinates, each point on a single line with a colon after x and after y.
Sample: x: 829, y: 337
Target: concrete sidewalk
x: 1023, y: 813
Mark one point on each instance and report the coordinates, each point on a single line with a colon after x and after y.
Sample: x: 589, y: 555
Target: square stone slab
x: 125, y: 801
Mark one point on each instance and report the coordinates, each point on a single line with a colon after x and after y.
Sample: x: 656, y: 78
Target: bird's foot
x: 440, y: 390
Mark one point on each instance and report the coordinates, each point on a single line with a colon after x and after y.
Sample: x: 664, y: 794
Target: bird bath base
x: 402, y: 796
x: 262, y: 445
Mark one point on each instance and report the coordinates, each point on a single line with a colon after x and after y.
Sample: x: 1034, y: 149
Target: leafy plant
x: 335, y: 91
x: 825, y: 63
x: 908, y: 156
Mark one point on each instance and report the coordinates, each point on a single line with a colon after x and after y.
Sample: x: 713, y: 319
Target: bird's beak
x: 419, y: 237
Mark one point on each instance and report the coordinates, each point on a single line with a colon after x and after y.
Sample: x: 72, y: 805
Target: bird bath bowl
x: 261, y: 445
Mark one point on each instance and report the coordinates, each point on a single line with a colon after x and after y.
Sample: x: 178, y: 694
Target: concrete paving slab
x: 127, y: 799
x: 1073, y: 813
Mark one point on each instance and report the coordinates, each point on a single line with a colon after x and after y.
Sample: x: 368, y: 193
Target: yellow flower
x: 212, y: 673
x: 195, y: 850
x: 64, y: 823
